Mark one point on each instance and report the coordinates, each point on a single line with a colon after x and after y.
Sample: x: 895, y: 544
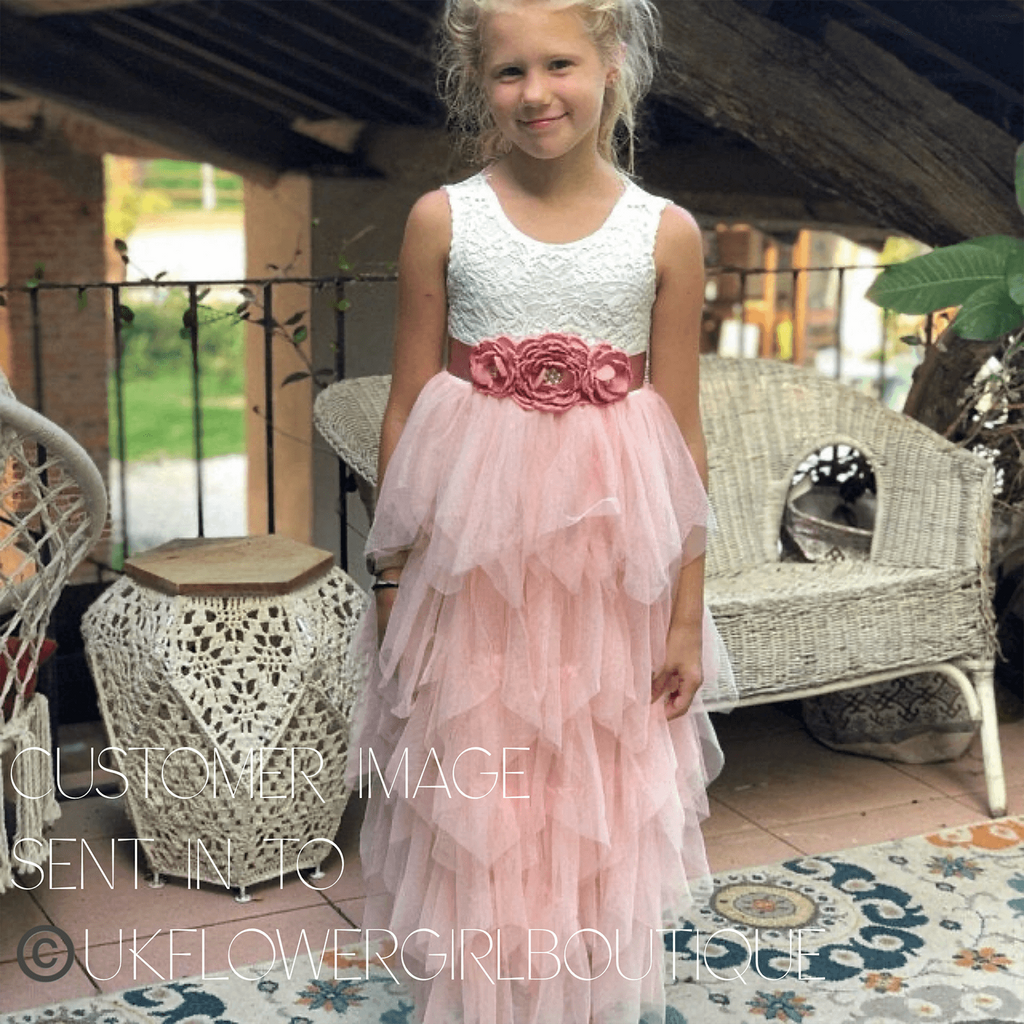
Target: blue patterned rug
x: 923, y: 929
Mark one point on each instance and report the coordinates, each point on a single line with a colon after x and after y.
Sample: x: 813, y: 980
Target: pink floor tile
x: 19, y: 913
x: 967, y: 773
x: 342, y: 877
x: 723, y: 821
x: 774, y: 783
x: 19, y: 992
x: 827, y: 835
x: 747, y: 849
x: 352, y: 910
x: 978, y: 800
x: 92, y: 816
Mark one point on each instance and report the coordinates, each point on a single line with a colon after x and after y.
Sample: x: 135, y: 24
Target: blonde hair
x: 626, y: 34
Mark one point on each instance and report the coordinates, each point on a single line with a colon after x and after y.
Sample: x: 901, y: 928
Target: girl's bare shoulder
x: 428, y: 230
x: 679, y: 244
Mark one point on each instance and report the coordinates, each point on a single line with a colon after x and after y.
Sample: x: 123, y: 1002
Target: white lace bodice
x: 503, y: 282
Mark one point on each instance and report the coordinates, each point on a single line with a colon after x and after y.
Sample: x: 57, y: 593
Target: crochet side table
x: 226, y: 685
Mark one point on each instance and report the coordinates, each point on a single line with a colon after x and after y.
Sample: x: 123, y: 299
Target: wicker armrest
x: 349, y: 414
x: 934, y: 500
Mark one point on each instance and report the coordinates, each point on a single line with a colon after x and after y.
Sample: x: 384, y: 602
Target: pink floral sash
x: 549, y: 373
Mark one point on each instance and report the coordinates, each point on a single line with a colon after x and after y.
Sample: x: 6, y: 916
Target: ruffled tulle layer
x: 530, y: 814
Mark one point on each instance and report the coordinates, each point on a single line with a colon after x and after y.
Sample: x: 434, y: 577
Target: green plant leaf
x: 300, y: 335
x: 342, y: 305
x: 945, y: 277
x: 1018, y: 176
x: 293, y: 377
x: 126, y: 315
x: 988, y: 313
x: 1003, y: 246
x: 83, y: 299
x: 202, y: 295
x: 1015, y: 274
x: 121, y: 245
x: 294, y: 319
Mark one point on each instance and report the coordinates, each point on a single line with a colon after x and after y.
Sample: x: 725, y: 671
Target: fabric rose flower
x: 551, y: 372
x: 492, y: 366
x: 609, y: 374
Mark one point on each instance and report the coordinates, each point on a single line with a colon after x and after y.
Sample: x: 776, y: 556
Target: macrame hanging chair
x: 53, y: 508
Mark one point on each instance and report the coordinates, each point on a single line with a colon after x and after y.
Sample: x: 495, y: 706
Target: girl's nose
x: 535, y: 89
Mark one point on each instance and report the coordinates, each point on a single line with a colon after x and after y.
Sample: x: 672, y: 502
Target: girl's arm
x: 420, y: 331
x: 675, y: 368
x: 421, y: 324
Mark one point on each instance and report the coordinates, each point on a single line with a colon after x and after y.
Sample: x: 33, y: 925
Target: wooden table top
x: 230, y: 566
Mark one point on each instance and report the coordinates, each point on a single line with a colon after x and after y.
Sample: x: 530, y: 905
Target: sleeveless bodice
x: 503, y: 282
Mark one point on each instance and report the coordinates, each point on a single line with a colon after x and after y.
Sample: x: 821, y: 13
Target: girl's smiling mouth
x: 541, y: 122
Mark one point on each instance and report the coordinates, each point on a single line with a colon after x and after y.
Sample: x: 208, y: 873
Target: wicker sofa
x: 920, y: 603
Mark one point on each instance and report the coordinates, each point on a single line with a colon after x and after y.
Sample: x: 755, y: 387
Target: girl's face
x: 544, y: 79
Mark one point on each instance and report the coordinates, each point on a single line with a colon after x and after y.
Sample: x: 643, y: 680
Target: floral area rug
x: 922, y: 929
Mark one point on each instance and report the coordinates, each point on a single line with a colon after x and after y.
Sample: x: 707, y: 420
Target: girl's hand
x: 385, y: 599
x: 683, y: 673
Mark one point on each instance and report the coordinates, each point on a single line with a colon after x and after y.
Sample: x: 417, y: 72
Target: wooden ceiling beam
x: 197, y: 60
x: 415, y: 10
x: 47, y: 8
x: 975, y: 74
x: 351, y: 53
x: 42, y: 62
x: 297, y: 58
x: 724, y: 181
x: 845, y: 114
x: 344, y: 12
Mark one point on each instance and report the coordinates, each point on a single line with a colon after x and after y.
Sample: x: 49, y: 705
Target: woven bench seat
x: 785, y: 622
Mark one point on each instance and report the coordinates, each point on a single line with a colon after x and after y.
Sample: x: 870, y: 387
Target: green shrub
x: 153, y: 343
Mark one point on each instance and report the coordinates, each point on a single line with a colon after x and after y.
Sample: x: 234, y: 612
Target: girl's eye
x: 508, y: 72
x: 561, y: 64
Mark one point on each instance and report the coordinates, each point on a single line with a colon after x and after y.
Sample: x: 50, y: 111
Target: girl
x: 534, y: 727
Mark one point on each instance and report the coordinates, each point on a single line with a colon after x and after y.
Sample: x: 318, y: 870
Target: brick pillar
x: 305, y: 224
x: 51, y: 214
x: 278, y: 223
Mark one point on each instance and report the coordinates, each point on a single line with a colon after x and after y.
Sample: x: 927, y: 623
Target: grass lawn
x: 158, y: 417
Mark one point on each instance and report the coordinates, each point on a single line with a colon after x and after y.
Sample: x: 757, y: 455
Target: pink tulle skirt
x: 532, y: 819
